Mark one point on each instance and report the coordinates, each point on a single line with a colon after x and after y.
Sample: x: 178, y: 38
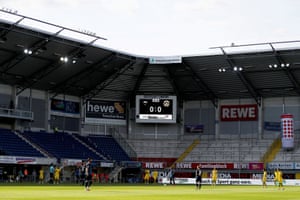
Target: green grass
x: 145, y: 192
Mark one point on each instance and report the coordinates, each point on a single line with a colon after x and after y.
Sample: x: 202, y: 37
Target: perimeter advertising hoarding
x: 154, y: 165
x: 21, y: 160
x: 226, y: 181
x: 281, y: 165
x: 284, y: 165
x: 98, y: 111
x: 191, y: 165
x: 188, y: 165
x: 256, y: 166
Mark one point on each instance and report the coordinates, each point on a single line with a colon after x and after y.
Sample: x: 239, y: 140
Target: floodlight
x: 64, y: 59
x: 27, y: 51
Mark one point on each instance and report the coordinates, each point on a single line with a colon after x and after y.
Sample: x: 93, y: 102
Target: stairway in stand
x: 270, y: 154
x: 186, y: 152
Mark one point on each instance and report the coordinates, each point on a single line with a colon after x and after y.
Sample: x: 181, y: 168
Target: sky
x: 170, y: 27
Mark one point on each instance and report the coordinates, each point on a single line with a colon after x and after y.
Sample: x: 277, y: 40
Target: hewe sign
x: 247, y: 112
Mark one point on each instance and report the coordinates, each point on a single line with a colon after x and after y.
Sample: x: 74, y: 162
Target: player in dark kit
x: 172, y: 176
x: 198, y: 177
x: 88, y: 175
x: 82, y: 172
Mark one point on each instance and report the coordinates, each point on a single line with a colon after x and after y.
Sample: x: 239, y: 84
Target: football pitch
x: 145, y: 192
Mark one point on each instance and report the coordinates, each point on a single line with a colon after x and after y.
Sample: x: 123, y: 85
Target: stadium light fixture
x: 64, y: 59
x: 282, y: 65
x: 222, y: 69
x: 235, y: 68
x: 28, y: 51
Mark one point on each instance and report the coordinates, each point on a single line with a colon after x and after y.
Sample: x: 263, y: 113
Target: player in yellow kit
x: 57, y: 172
x: 214, y: 176
x: 155, y: 176
x: 147, y: 176
x: 280, y: 179
x: 264, y: 178
x: 275, y: 177
x: 41, y: 176
x: 56, y: 175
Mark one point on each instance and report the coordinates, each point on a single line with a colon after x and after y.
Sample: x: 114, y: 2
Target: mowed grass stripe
x: 146, y: 192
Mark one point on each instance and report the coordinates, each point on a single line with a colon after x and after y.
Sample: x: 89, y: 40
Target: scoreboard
x: 156, y: 109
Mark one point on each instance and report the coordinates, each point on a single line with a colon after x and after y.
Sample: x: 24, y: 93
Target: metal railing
x: 124, y: 144
x: 16, y: 114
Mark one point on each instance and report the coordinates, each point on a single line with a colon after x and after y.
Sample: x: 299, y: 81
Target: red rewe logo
x: 248, y: 112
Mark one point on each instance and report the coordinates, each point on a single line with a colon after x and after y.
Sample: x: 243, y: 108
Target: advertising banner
x: 256, y: 166
x: 231, y: 181
x: 247, y: 112
x: 154, y: 165
x: 216, y: 165
x: 97, y: 111
x: 287, y: 131
x: 194, y: 128
x: 21, y: 160
x: 280, y: 165
x: 65, y: 106
x: 297, y: 165
x: 189, y: 165
x: 272, y: 126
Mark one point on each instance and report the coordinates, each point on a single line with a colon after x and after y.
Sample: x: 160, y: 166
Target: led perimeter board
x: 155, y: 109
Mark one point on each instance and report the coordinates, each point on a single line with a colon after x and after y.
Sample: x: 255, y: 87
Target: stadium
x: 64, y: 99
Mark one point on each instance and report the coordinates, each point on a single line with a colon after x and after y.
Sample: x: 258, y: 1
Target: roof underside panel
x: 270, y: 79
x: 156, y: 80
x: 96, y: 72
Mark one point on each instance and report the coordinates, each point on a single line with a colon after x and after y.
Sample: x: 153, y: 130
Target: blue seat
x: 12, y: 145
x: 109, y: 146
x: 61, y: 145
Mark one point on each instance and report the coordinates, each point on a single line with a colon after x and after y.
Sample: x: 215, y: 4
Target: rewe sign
x: 247, y: 112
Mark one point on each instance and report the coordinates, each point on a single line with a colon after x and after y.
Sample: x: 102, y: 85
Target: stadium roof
x: 32, y: 57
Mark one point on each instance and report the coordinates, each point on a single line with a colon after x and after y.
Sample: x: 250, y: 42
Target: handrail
x: 16, y: 114
x: 124, y: 144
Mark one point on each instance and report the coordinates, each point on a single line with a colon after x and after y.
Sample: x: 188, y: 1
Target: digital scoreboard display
x: 156, y: 109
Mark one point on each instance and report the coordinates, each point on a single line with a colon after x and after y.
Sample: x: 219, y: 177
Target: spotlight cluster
x: 64, y: 59
x: 222, y: 69
x: 28, y: 51
x: 235, y: 69
x: 282, y: 65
